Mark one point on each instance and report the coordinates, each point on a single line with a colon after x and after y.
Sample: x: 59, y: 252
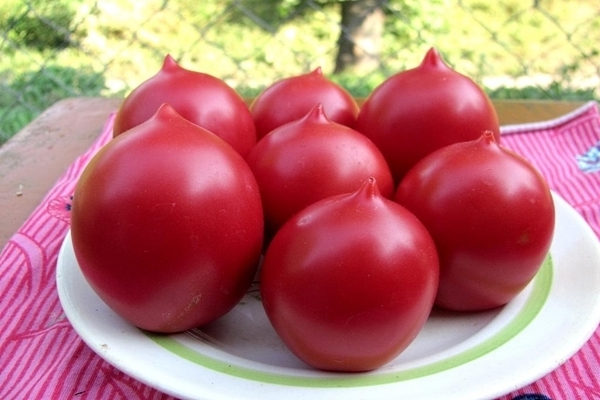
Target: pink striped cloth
x: 42, y: 357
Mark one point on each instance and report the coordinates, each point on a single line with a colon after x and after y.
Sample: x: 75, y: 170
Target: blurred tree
x: 361, y: 31
x: 269, y: 15
x: 361, y: 25
x: 39, y: 24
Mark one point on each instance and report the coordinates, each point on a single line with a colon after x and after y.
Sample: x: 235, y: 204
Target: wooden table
x: 32, y: 161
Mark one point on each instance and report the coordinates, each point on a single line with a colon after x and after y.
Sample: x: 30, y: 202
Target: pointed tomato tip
x: 169, y: 63
x: 166, y: 112
x: 488, y: 137
x: 317, y: 115
x: 318, y: 71
x: 166, y: 109
x: 433, y: 59
x: 370, y: 188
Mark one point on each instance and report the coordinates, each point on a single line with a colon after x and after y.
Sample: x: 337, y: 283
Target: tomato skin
x: 491, y: 215
x: 198, y: 97
x: 291, y: 98
x: 349, y: 281
x: 167, y: 224
x: 310, y: 159
x: 423, y: 109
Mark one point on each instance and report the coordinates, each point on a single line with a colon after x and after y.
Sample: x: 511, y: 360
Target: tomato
x: 291, y: 98
x: 423, y: 109
x: 349, y: 281
x: 201, y: 98
x: 312, y: 158
x: 491, y: 216
x: 167, y: 224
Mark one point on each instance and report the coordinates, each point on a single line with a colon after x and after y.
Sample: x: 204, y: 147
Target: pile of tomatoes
x: 363, y: 217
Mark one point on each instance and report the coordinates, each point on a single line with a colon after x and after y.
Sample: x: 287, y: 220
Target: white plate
x: 456, y: 356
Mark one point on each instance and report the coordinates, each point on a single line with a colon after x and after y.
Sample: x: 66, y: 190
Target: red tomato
x: 167, y: 224
x: 310, y: 159
x: 491, y: 216
x: 290, y: 99
x: 349, y: 281
x: 200, y: 98
x: 423, y: 109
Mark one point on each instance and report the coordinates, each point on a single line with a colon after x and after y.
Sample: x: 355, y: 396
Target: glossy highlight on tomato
x: 491, y: 215
x: 310, y: 159
x: 198, y: 97
x: 349, y: 281
x: 291, y: 98
x: 423, y: 109
x: 167, y: 224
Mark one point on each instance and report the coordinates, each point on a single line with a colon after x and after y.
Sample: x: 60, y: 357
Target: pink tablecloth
x: 41, y: 356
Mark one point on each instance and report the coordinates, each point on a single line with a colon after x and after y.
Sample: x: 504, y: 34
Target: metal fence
x: 513, y: 48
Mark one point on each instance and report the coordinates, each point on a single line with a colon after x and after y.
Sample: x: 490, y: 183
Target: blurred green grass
x: 64, y: 48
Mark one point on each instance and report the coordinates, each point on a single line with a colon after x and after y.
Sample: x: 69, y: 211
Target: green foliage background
x: 61, y: 48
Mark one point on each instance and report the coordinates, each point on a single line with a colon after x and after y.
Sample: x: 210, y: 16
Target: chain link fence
x: 548, y: 49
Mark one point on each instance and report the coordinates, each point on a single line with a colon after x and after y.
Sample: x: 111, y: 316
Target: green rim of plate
x: 534, y: 303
